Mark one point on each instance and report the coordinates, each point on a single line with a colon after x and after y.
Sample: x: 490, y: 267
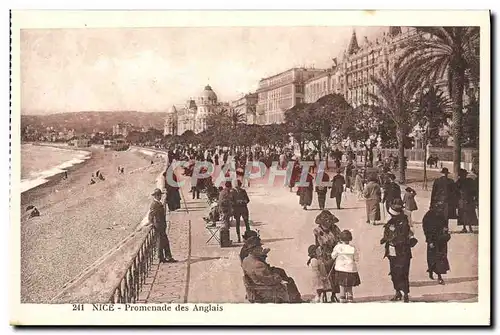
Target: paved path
x: 212, y: 274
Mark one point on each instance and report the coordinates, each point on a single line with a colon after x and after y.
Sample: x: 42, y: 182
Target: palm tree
x: 434, y: 110
x: 396, y: 97
x: 450, y: 51
x: 236, y: 117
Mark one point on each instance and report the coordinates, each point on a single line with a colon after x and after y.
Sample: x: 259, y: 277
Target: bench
x: 264, y: 294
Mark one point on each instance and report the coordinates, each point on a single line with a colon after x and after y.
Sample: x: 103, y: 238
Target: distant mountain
x: 86, y: 122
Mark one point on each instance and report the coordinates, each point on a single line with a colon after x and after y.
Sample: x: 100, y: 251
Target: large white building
x: 191, y: 116
x: 247, y: 106
x: 351, y: 75
x: 280, y: 92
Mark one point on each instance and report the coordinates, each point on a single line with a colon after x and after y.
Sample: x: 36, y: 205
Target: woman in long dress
x: 397, y: 240
x: 327, y: 235
x: 295, y: 174
x: 467, y: 188
x: 373, y: 196
x: 173, y: 197
x: 306, y: 192
x: 358, y: 185
x: 435, y: 228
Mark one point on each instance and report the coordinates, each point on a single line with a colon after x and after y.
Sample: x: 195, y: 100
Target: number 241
x: 78, y: 307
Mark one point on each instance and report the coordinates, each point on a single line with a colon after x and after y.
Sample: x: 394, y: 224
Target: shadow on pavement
x: 475, y: 232
x: 381, y: 298
x: 446, y: 281
x: 440, y: 297
x: 334, y: 208
x: 256, y: 223
x: 270, y: 240
x: 203, y: 259
x: 444, y: 297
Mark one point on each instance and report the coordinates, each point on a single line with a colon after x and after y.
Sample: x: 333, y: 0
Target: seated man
x: 213, y: 215
x: 212, y: 193
x: 259, y: 274
x: 250, y: 237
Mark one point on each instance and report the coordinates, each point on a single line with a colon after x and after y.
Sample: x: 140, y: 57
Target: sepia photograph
x: 218, y: 167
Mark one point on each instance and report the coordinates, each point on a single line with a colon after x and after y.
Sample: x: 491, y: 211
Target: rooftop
x: 291, y: 69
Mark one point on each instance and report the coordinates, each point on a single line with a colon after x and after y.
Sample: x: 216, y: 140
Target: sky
x: 149, y: 69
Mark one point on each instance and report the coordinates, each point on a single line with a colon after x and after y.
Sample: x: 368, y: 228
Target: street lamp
x: 425, y: 133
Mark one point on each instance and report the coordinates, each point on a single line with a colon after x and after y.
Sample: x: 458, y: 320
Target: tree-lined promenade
x: 423, y: 89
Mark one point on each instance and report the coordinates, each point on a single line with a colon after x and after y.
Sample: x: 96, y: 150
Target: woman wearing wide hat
x: 398, y: 242
x: 436, y: 236
x: 327, y: 235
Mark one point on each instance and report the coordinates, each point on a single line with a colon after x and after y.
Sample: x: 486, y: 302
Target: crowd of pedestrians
x: 332, y: 257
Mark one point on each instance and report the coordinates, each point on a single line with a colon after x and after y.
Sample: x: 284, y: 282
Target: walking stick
x: 184, y: 198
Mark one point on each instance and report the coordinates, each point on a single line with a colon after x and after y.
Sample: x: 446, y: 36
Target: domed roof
x: 208, y: 94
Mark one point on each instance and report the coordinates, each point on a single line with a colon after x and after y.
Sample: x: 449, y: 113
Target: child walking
x: 409, y: 203
x: 346, y: 257
x: 320, y: 283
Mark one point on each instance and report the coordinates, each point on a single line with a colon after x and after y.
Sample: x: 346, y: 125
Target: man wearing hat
x: 157, y: 217
x: 249, y: 239
x: 226, y: 203
x: 391, y: 191
x: 444, y: 195
x: 338, y: 182
x: 258, y: 272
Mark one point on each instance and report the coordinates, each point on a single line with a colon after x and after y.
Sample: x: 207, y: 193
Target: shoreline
x: 57, y: 177
x: 79, y: 223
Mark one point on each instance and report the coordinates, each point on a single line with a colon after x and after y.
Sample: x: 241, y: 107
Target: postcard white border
x: 237, y: 314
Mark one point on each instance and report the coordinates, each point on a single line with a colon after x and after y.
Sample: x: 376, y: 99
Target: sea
x: 39, y: 162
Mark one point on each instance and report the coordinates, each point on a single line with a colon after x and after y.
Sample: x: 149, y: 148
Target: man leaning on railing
x: 157, y: 217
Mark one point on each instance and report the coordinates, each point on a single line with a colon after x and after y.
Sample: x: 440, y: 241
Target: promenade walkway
x: 207, y: 273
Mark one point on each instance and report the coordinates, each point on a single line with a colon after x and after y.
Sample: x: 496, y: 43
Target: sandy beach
x: 80, y: 222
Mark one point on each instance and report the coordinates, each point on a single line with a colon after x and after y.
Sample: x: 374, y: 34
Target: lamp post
x: 425, y: 131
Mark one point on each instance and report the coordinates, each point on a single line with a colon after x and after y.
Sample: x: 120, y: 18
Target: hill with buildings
x: 90, y: 122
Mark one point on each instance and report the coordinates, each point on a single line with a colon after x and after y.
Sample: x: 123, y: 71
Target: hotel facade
x: 193, y: 114
x: 280, y: 92
x: 351, y: 76
x: 247, y: 106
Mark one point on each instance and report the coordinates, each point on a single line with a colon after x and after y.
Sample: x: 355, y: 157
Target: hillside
x: 86, y: 122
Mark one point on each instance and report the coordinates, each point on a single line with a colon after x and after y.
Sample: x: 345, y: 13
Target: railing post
x: 128, y: 289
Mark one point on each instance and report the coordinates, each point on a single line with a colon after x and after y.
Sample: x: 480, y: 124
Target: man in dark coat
x: 240, y: 209
x: 349, y: 182
x: 322, y: 190
x: 338, y: 183
x: 444, y: 195
x: 226, y: 203
x: 157, y: 217
x: 391, y: 191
